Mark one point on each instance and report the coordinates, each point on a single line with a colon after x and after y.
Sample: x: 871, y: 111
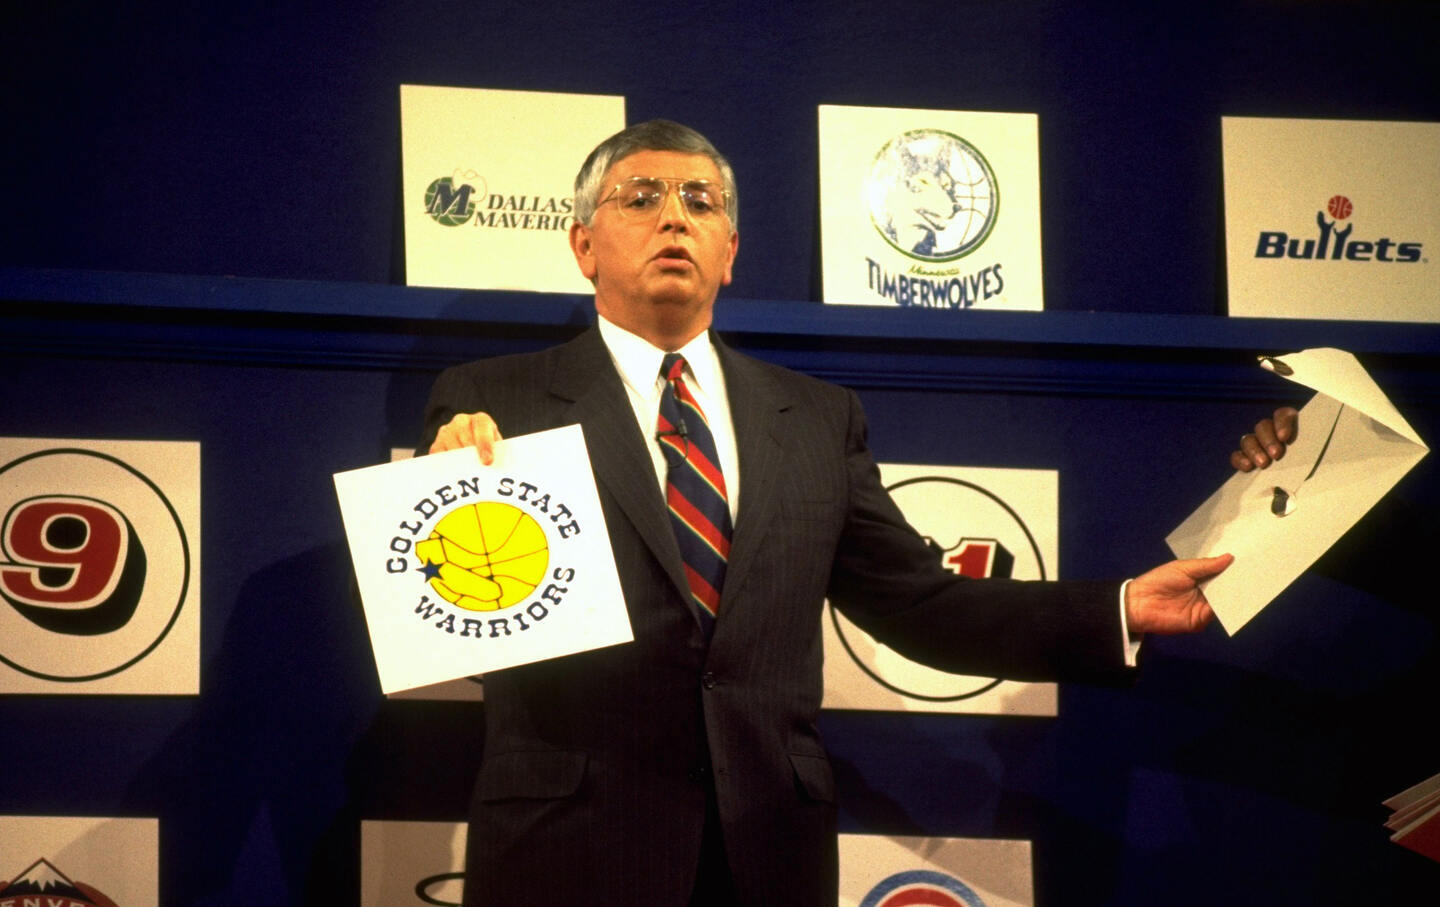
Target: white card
x: 465, y: 568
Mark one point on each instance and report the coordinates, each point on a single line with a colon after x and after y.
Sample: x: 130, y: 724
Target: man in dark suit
x: 685, y: 767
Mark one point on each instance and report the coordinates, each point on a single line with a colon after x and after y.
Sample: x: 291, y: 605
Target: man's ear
x: 581, y: 244
x: 730, y: 258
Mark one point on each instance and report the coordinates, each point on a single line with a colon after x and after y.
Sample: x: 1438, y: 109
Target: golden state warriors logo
x: 466, y: 568
x: 95, y: 562
x: 481, y: 554
x: 932, y: 195
x: 485, y: 556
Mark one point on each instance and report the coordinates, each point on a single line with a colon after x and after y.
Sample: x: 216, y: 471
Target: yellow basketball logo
x: 490, y: 556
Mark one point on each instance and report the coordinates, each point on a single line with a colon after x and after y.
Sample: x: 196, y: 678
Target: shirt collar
x: 638, y: 360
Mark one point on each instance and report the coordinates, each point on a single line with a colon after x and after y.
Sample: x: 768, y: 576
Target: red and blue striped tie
x: 694, y: 490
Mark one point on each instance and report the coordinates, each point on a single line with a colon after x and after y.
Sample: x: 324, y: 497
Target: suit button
x: 708, y: 681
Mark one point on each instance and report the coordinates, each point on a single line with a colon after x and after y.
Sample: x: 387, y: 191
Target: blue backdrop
x: 198, y: 141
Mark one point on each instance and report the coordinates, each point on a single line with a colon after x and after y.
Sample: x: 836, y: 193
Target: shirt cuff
x: 1131, y: 643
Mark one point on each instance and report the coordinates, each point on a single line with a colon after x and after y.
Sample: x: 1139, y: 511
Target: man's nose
x: 672, y: 212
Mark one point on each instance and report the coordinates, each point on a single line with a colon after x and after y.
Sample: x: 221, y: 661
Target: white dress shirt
x: 638, y: 362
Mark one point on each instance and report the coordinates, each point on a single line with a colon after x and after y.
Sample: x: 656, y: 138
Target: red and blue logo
x: 922, y: 888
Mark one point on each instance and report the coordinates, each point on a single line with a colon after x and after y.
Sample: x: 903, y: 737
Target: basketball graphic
x: 1339, y: 207
x: 486, y: 556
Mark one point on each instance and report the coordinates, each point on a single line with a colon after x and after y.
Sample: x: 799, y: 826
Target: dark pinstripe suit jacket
x: 593, y: 784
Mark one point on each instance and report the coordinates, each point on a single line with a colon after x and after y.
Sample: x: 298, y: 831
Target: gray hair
x: 655, y: 135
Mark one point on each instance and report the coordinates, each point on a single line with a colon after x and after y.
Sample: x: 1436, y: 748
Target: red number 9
x: 64, y: 552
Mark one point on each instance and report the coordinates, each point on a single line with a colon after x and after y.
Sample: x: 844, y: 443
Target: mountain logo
x: 43, y: 885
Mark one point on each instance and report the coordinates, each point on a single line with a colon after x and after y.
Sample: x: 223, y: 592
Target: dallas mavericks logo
x: 932, y: 195
x: 450, y: 200
x: 922, y: 887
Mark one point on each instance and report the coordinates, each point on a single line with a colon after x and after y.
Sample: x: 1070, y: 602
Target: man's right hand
x: 1267, y: 443
x: 475, y: 430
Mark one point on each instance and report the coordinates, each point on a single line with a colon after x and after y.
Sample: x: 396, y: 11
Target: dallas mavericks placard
x: 465, y: 568
x: 930, y: 208
x: 980, y: 523
x: 488, y: 184
x: 1332, y: 218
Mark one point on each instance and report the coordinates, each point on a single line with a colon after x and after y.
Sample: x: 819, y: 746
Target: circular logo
x: 932, y: 195
x: 94, y: 565
x: 922, y: 888
x: 991, y: 541
x: 490, y: 556
x: 449, y: 202
x: 1339, y: 207
x: 447, y: 885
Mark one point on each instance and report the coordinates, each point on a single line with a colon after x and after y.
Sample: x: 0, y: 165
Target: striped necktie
x: 694, y: 490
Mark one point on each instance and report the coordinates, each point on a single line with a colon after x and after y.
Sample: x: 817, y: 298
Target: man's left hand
x: 1168, y: 599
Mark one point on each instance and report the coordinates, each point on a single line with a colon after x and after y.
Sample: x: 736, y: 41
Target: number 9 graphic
x: 75, y: 564
x: 95, y: 567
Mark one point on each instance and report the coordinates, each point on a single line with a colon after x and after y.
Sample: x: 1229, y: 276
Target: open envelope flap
x: 1338, y: 374
x: 1341, y: 464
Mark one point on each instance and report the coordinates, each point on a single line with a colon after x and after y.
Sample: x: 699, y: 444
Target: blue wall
x: 231, y: 139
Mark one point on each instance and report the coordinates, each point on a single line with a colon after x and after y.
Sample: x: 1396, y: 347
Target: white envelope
x: 1352, y: 448
x: 465, y: 568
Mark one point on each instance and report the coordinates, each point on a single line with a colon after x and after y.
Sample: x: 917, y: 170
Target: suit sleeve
x: 891, y: 584
x: 457, y: 390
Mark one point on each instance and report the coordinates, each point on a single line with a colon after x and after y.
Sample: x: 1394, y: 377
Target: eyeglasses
x: 642, y: 197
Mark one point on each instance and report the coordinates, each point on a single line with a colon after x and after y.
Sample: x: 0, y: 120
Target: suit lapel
x: 586, y: 376
x: 756, y: 408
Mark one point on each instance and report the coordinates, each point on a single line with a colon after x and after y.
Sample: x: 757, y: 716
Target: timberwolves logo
x: 94, y: 565
x: 917, y: 887
x: 42, y: 885
x: 932, y: 195
x: 973, y: 531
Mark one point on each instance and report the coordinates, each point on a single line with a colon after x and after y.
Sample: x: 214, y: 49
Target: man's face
x: 657, y: 276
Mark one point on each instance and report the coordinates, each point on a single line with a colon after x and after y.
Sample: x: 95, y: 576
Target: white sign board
x: 930, y: 208
x: 99, y: 566
x: 465, y: 568
x: 890, y: 871
x: 1332, y: 218
x: 983, y: 523
x: 60, y: 861
x: 489, y: 184
x: 411, y: 864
